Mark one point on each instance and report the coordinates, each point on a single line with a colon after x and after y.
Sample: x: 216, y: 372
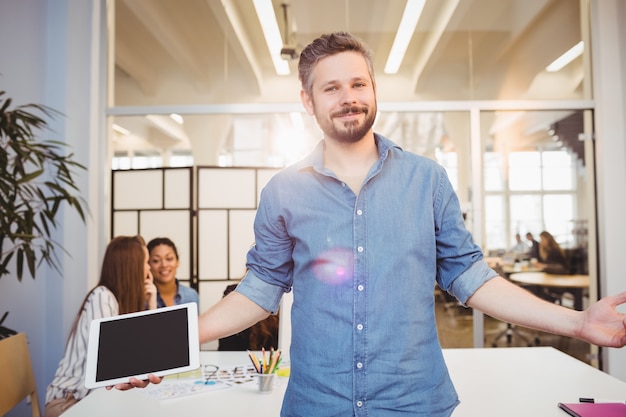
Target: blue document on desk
x: 594, y: 409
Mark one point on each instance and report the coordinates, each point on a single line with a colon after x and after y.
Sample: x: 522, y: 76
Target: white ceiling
x: 199, y: 52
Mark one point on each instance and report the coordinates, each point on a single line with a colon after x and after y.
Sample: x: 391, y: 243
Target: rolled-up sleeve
x: 466, y: 284
x: 265, y: 295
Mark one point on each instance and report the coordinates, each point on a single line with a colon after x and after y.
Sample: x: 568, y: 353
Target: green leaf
x: 36, y: 178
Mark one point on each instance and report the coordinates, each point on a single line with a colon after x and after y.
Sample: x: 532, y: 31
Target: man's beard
x: 354, y: 130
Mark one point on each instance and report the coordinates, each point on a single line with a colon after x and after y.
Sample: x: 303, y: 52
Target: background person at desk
x: 360, y: 231
x: 520, y: 248
x: 125, y: 286
x: 164, y: 264
x: 551, y: 257
x: 533, y: 251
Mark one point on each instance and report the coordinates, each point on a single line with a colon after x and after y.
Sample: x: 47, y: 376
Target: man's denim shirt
x: 363, y: 270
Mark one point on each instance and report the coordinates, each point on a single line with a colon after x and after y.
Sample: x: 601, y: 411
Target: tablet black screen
x: 143, y: 344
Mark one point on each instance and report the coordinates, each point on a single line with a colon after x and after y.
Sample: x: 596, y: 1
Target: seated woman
x: 551, y: 257
x: 125, y: 286
x: 163, y: 265
x: 552, y: 260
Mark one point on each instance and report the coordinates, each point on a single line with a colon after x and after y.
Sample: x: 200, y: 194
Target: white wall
x: 47, y: 59
x: 609, y: 81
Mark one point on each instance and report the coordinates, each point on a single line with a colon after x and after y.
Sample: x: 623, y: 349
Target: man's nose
x: 347, y: 96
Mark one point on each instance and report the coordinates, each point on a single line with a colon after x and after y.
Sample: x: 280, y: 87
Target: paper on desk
x: 170, y: 389
x: 199, y: 381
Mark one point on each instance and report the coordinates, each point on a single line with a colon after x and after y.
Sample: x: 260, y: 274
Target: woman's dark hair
x: 551, y: 245
x: 162, y: 241
x: 327, y: 45
x: 122, y: 273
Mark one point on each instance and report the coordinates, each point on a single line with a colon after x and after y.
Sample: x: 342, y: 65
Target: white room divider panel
x: 211, y: 224
x: 156, y: 203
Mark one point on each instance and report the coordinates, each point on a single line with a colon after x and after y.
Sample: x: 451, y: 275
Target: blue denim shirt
x: 183, y: 295
x: 363, y: 270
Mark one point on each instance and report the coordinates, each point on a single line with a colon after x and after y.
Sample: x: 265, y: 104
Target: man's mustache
x: 351, y: 109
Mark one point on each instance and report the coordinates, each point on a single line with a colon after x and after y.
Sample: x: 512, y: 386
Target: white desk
x: 512, y: 382
x: 524, y: 382
x: 236, y: 401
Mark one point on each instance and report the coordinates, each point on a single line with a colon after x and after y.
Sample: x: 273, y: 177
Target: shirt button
x: 359, y: 404
x: 359, y: 212
x: 359, y: 326
x: 360, y: 249
x: 360, y: 288
x: 359, y: 365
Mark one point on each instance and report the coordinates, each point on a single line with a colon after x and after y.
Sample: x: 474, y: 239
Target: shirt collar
x: 315, y: 159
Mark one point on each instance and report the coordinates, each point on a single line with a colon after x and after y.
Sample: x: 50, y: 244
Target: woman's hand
x: 150, y: 292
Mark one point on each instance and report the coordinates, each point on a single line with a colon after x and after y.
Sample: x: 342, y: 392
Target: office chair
x: 510, y: 332
x: 17, y: 380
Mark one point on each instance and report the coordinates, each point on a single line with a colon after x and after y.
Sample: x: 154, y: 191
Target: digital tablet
x: 163, y: 341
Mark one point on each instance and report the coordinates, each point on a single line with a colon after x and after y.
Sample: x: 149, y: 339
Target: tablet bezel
x: 94, y: 342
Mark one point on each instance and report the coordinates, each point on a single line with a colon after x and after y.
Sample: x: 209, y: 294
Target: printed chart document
x: 205, y: 379
x: 594, y: 409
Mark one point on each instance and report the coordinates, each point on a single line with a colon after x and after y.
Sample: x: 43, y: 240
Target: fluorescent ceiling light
x: 267, y: 18
x: 567, y: 57
x: 121, y: 130
x: 177, y: 118
x: 412, y: 12
x: 168, y: 126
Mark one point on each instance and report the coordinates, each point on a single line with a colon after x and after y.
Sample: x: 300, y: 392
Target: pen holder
x: 266, y: 383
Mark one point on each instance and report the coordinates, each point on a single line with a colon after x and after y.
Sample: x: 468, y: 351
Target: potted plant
x: 36, y: 178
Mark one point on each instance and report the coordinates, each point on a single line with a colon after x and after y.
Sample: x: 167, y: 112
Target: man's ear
x: 307, y: 102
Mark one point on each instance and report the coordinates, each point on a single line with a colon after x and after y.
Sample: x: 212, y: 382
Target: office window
x: 557, y: 171
x: 493, y: 171
x: 524, y: 171
x: 128, y: 160
x: 450, y: 162
x: 495, y: 224
x: 526, y: 214
x: 541, y: 196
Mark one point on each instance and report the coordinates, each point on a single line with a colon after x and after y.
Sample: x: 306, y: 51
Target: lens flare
x: 334, y: 266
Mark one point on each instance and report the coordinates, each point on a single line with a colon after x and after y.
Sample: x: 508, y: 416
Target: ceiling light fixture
x: 567, y: 57
x: 412, y: 12
x: 269, y: 24
x: 168, y: 126
x: 119, y: 129
x: 177, y: 118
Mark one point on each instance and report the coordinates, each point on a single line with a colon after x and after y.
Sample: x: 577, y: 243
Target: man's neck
x: 351, y: 161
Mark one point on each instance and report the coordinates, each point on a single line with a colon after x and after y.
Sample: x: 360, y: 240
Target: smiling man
x: 361, y: 231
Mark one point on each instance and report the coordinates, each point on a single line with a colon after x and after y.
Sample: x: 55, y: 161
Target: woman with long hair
x: 125, y: 286
x: 551, y: 256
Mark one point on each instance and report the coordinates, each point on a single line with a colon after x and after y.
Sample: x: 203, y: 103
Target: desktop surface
x: 491, y: 382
